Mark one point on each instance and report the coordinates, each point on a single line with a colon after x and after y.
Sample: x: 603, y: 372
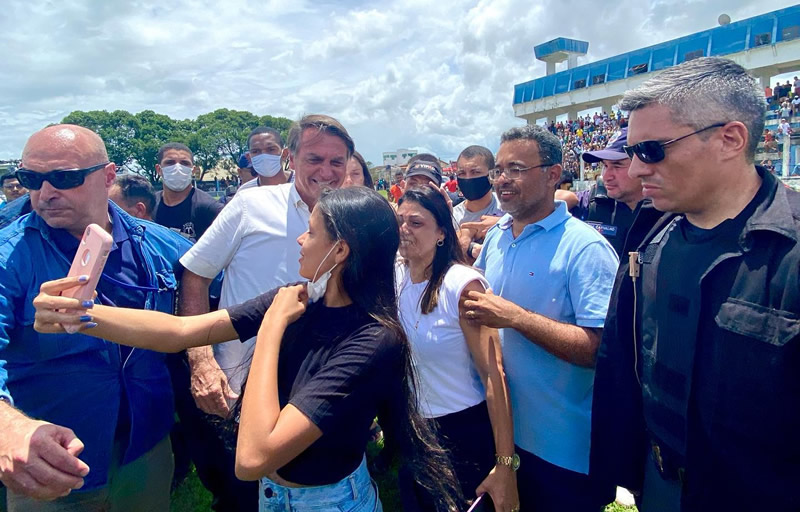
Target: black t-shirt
x: 689, y: 321
x: 191, y: 217
x: 341, y: 369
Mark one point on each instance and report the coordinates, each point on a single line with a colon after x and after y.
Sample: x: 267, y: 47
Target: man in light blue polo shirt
x: 551, y: 278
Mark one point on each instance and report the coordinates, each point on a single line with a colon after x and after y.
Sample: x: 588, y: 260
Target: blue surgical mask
x: 267, y: 165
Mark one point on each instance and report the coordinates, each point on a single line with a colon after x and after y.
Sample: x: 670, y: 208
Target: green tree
x: 219, y: 137
x: 118, y: 130
x: 155, y: 130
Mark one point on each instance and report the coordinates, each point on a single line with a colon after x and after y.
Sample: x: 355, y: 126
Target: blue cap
x: 244, y: 162
x: 613, y: 150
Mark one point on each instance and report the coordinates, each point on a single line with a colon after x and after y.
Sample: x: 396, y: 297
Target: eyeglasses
x: 61, y: 179
x: 12, y: 186
x: 513, y: 172
x: 652, y: 151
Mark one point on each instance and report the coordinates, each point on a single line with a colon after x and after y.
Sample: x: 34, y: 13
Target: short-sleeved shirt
x: 562, y: 269
x: 341, y: 369
x: 448, y: 379
x: 462, y: 215
x: 254, y: 239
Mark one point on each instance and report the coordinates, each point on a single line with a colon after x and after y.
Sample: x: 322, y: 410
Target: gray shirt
x: 462, y: 215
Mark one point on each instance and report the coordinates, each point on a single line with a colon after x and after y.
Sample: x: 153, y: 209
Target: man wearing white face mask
x: 267, y: 155
x: 181, y: 206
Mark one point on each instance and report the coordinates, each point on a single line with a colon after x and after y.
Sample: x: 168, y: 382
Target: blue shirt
x: 562, y: 269
x: 78, y: 381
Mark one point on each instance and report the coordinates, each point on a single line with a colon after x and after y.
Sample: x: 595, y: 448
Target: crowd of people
x: 587, y: 133
x: 519, y: 347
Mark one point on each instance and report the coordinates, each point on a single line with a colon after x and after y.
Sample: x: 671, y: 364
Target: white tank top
x: 448, y: 379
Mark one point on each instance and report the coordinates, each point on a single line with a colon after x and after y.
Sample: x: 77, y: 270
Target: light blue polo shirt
x: 563, y: 269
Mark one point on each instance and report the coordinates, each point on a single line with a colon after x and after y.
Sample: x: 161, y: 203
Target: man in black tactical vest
x: 696, y: 388
x: 612, y: 212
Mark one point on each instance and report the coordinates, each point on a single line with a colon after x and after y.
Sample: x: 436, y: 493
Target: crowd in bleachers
x: 587, y: 133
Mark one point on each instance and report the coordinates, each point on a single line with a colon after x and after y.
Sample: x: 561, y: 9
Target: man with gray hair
x: 697, y: 383
x: 550, y: 277
x: 254, y: 239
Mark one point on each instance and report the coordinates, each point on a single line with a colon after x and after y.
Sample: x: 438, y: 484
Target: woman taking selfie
x: 330, y: 355
x: 458, y: 363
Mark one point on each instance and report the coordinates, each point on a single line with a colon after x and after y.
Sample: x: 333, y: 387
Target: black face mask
x: 474, y: 188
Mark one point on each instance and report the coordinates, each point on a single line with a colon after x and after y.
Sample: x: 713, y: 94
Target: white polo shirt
x: 254, y: 239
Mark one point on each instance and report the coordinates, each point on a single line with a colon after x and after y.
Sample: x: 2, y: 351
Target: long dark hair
x: 448, y: 253
x: 365, y: 220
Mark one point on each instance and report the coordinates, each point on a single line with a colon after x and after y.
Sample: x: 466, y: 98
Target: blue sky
x: 437, y: 76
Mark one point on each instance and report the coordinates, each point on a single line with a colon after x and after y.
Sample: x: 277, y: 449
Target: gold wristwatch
x: 512, y: 461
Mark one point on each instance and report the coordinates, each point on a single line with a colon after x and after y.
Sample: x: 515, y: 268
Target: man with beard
x: 550, y: 276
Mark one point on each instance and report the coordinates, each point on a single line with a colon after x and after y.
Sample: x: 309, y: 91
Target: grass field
x: 192, y: 497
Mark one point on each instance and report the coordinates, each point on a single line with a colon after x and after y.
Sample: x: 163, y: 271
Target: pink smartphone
x: 90, y: 258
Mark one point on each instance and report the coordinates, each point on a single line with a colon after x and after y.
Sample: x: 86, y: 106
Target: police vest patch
x: 604, y: 229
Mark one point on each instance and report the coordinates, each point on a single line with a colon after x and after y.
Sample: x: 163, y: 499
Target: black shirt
x: 613, y: 220
x: 191, y: 217
x: 341, y: 369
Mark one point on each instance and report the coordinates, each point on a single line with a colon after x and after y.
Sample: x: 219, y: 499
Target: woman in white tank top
x: 459, y: 364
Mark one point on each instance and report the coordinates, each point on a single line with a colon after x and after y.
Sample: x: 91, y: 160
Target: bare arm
x: 194, y: 301
x: 139, y: 328
x: 209, y: 385
x: 572, y: 343
x: 268, y: 436
x: 484, y: 346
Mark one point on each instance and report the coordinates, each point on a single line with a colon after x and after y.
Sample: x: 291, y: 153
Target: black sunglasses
x: 652, y: 151
x: 61, y: 179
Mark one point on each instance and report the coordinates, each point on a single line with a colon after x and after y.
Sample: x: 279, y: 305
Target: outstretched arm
x: 133, y: 327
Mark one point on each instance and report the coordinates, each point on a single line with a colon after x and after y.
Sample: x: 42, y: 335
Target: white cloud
x: 412, y: 73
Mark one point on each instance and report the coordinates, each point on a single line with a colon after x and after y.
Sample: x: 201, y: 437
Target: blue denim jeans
x: 354, y: 493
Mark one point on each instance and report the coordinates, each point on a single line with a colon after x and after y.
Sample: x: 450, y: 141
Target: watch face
x: 515, y: 462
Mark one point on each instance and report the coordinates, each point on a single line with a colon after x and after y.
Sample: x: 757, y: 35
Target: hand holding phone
x: 89, y: 260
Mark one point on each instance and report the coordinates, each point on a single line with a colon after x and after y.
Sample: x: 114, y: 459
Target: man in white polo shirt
x: 254, y: 239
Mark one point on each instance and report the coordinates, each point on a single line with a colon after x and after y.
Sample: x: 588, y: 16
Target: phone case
x: 90, y: 258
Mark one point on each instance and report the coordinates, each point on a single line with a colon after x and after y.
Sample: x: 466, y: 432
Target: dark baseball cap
x: 613, y: 150
x: 431, y: 170
x: 244, y: 162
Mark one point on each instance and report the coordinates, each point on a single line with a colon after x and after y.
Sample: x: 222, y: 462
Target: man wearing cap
x: 422, y: 169
x: 267, y: 155
x: 613, y: 214
x: 695, y: 397
x: 245, y: 169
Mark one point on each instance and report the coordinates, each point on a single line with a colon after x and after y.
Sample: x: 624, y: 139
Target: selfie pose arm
x: 138, y: 328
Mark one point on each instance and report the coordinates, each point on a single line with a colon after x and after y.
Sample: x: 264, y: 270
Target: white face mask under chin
x: 316, y: 287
